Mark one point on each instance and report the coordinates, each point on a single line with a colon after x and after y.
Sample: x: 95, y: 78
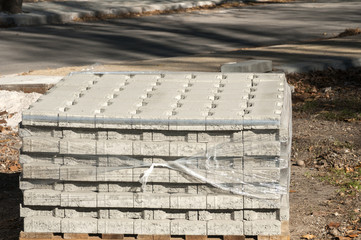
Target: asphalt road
x: 29, y: 48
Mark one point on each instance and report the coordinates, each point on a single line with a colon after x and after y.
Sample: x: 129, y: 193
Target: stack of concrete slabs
x: 158, y: 153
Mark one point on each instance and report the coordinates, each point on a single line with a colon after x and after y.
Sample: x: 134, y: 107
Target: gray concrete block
x: 31, y: 212
x: 224, y: 202
x: 188, y: 201
x: 80, y: 213
x: 158, y: 175
x: 151, y: 200
x: 77, y: 173
x: 255, y: 203
x: 262, y: 148
x: 260, y: 214
x: 257, y: 135
x: 125, y: 214
x: 149, y: 227
x: 215, y: 137
x: 237, y: 215
x: 224, y: 227
x: 160, y: 215
x: 284, y: 214
x: 26, y: 159
x: 187, y: 149
x: 180, y: 177
x: 262, y: 227
x: 128, y: 187
x: 41, y: 197
x: 80, y: 187
x: 186, y: 227
x: 40, y: 184
x: 148, y: 214
x: 104, y: 213
x: 114, y: 174
x: 116, y: 226
x: 173, y: 188
x: 190, y: 215
x: 259, y: 66
x: 268, y: 175
x: 77, y: 146
x: 83, y: 134
x: 151, y: 148
x: 174, y: 215
x: 42, y: 224
x: 79, y: 225
x: 114, y: 147
x: 192, y: 137
x: 211, y: 215
x: 37, y: 144
x: 79, y: 199
x: 231, y: 149
x: 80, y: 160
x: 111, y: 200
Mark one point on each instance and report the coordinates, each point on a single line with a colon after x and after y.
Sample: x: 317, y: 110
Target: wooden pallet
x: 83, y: 236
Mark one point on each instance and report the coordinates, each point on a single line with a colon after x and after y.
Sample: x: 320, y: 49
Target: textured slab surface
x: 168, y: 101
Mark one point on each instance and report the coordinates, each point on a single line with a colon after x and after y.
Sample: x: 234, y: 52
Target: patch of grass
x: 343, y: 144
x: 350, y: 32
x: 349, y: 180
x: 334, y: 110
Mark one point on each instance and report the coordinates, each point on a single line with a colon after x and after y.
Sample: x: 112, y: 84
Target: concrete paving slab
x: 130, y: 105
x: 254, y: 66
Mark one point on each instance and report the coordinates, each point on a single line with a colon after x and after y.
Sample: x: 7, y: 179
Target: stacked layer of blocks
x: 158, y: 153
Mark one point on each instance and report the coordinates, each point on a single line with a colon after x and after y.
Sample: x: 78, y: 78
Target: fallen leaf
x: 343, y: 238
x: 333, y: 225
x: 14, y: 168
x: 308, y: 236
x: 352, y: 235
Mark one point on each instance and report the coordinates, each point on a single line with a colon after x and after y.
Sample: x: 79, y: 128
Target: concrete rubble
x: 158, y: 153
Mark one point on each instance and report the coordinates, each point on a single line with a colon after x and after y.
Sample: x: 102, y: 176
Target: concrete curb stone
x: 52, y: 13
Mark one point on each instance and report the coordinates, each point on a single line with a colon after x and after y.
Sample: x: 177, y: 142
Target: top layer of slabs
x: 163, y: 101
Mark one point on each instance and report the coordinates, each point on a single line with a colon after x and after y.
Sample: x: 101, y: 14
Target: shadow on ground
x: 10, y: 199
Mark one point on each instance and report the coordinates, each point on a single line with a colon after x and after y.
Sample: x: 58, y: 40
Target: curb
x: 301, y: 67
x: 61, y: 17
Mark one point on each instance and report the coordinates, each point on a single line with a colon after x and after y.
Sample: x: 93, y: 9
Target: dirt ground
x: 325, y: 190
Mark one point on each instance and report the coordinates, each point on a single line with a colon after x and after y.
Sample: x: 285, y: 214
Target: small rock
x: 334, y: 232
x: 300, y: 163
x: 327, y: 89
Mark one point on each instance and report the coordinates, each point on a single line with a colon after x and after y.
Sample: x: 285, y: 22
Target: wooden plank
x: 74, y: 236
x: 261, y: 237
x: 161, y: 237
x: 231, y: 237
x: 285, y: 228
x: 83, y: 236
x: 145, y: 237
x: 112, y: 236
x: 196, y: 237
x: 35, y: 236
x: 275, y: 237
x: 129, y: 238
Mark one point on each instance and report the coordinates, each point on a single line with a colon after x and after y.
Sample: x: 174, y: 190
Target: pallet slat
x: 82, y: 236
